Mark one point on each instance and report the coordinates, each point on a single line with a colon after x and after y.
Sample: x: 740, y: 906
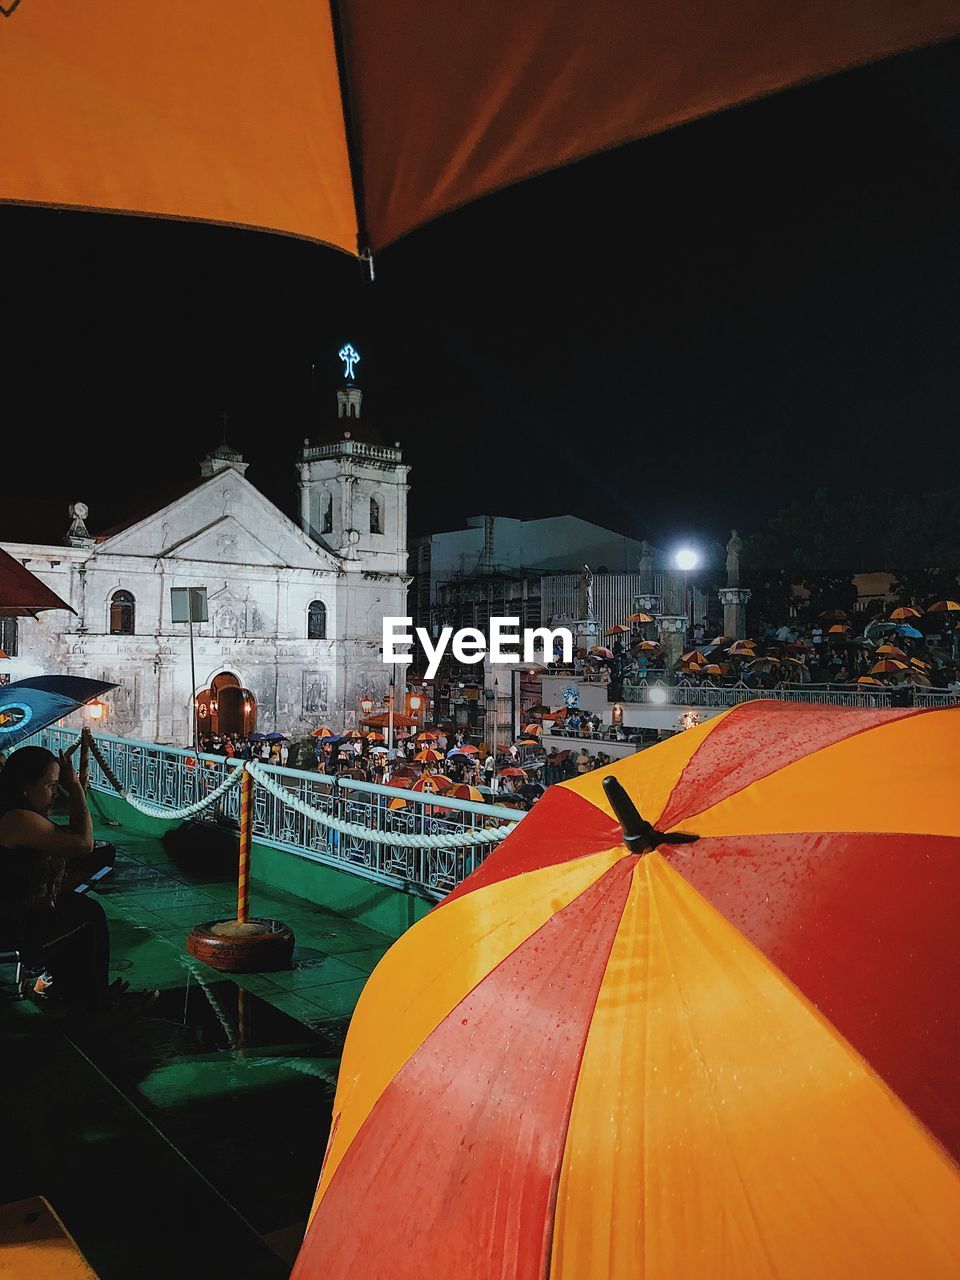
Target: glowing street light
x: 686, y: 559
x: 366, y: 705
x: 96, y: 709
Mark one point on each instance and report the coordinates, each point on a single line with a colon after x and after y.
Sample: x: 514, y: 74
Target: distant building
x: 295, y: 611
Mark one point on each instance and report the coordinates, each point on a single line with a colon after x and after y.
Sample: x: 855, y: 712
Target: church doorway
x: 226, y: 707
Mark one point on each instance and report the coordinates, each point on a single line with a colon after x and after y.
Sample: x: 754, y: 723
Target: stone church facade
x: 295, y: 611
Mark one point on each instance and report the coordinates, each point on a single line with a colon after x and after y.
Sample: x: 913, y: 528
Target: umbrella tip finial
x: 639, y: 835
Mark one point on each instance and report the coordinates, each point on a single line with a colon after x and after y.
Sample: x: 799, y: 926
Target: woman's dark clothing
x: 67, y: 934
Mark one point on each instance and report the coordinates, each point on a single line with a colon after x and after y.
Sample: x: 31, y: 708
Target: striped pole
x: 83, y: 773
x: 246, y: 840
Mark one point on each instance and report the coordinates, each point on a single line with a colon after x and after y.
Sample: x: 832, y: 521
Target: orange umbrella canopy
x: 211, y: 112
x: 944, y: 606
x: 904, y: 613
x: 22, y: 594
x: 645, y: 1057
x: 428, y: 756
x: 886, y: 666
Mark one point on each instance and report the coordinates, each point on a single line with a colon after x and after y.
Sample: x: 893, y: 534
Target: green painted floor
x: 190, y: 1143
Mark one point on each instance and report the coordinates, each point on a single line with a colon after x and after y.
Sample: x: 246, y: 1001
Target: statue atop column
x: 646, y: 567
x: 586, y: 593
x: 734, y: 547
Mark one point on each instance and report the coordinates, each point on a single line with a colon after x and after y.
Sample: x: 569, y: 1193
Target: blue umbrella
x: 257, y: 737
x: 27, y: 706
x: 276, y: 737
x: 910, y: 632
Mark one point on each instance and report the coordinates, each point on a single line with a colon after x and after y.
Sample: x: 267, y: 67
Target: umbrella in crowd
x: 834, y: 613
x: 428, y: 756
x: 601, y: 651
x: 539, y: 710
x: 27, y: 706
x: 532, y: 730
x: 512, y: 772
x: 640, y: 618
x: 944, y: 606
x: 715, y: 1039
x: 763, y: 664
x: 375, y: 737
x: 618, y: 630
x: 744, y: 647
x: 426, y: 737
x: 911, y: 633
x: 382, y: 720
x: 432, y: 783
x: 646, y: 646
x: 461, y: 791
x: 872, y: 681
x: 887, y: 666
x: 323, y: 732
x: 22, y: 594
x: 904, y: 612
x: 839, y: 629
x: 890, y: 651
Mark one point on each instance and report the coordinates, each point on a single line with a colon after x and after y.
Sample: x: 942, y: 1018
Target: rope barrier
x: 401, y: 839
x: 155, y: 811
x: 449, y: 840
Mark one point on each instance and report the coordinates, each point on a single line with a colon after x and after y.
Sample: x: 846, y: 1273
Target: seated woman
x: 65, y: 935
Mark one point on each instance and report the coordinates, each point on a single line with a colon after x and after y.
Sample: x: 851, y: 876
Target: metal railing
x: 173, y: 778
x: 683, y: 695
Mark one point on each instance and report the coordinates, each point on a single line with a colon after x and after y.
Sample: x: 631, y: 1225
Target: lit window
x: 122, y: 614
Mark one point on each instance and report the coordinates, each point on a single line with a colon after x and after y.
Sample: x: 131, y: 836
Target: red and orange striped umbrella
x: 611, y: 1054
x: 428, y: 756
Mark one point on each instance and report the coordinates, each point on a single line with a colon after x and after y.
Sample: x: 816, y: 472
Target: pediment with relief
x: 224, y: 521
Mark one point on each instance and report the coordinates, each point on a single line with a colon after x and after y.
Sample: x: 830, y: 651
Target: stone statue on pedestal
x: 734, y: 547
x: 586, y: 593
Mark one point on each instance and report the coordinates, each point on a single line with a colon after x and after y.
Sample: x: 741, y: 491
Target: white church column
x: 304, y: 500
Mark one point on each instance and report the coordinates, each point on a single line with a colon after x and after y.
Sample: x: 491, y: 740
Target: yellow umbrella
x: 887, y: 666
x: 944, y: 606
x: 904, y: 612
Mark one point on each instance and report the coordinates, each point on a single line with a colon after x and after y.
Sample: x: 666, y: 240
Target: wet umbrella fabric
x: 732, y: 1057
x: 209, y: 112
x: 26, y: 706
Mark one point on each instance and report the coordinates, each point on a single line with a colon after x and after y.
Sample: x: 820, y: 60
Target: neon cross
x: 349, y: 358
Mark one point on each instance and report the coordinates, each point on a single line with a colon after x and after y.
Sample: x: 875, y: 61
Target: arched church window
x: 376, y: 515
x: 317, y: 621
x: 326, y: 512
x: 122, y: 614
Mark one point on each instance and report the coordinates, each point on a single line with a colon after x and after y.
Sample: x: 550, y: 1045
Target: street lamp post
x: 686, y: 559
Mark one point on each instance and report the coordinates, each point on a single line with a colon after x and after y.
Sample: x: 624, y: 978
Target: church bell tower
x: 353, y: 486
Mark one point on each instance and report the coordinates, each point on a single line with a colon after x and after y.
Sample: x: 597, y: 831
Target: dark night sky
x: 677, y: 336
